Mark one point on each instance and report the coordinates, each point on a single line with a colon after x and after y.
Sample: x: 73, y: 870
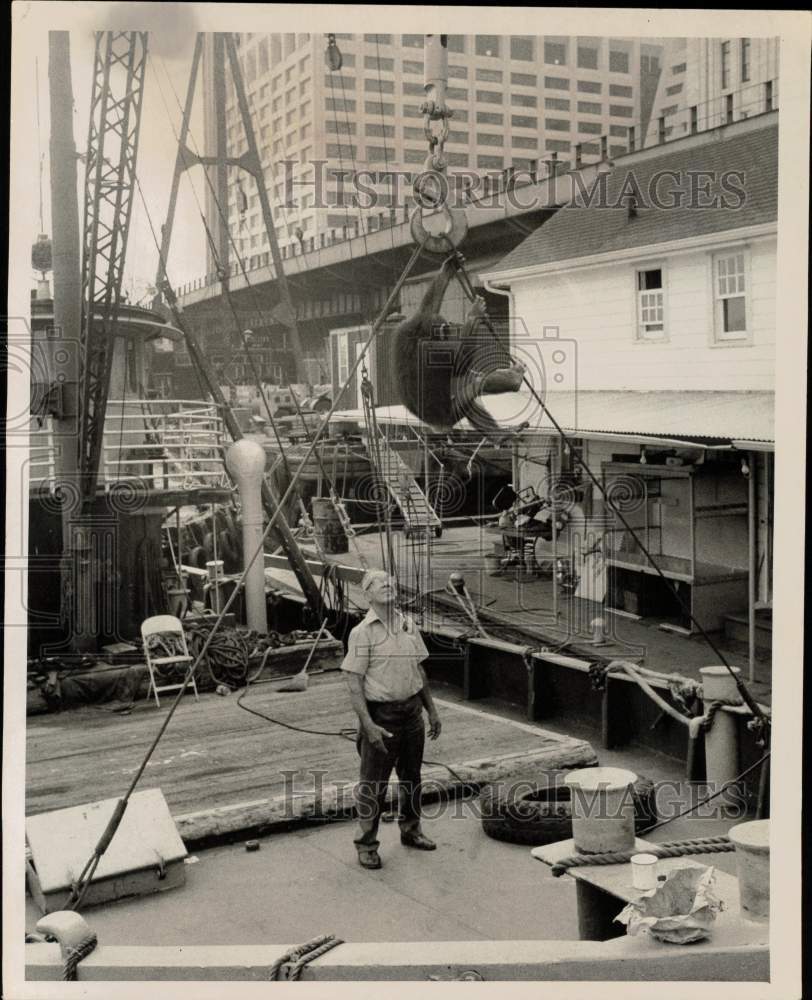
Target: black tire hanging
x: 543, y: 813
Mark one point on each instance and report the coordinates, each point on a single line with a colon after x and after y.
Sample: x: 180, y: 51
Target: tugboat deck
x: 224, y: 770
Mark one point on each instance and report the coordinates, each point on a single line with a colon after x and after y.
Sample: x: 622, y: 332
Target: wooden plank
x: 213, y: 755
x: 336, y: 799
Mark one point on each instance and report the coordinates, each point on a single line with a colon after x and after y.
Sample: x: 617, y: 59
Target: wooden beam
x: 350, y: 574
x: 553, y: 753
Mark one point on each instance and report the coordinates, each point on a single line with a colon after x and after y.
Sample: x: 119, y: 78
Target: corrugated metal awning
x: 704, y: 417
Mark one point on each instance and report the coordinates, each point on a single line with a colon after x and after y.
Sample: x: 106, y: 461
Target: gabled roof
x: 586, y: 228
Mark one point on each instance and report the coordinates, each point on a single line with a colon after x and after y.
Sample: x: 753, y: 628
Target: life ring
x: 543, y: 813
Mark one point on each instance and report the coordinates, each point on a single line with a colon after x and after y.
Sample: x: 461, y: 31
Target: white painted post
x: 752, y: 842
x: 721, y: 740
x: 602, y: 809
x: 245, y: 460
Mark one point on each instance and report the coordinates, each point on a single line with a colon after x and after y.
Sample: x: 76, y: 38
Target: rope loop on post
x: 302, y: 955
x: 73, y: 956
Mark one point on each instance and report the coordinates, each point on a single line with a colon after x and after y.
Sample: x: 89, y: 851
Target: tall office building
x: 707, y: 82
x: 516, y: 99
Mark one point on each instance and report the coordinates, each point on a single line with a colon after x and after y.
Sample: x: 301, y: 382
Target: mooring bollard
x: 721, y: 739
x: 602, y: 809
x: 752, y: 841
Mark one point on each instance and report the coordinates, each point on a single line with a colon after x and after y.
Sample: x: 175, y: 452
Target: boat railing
x: 165, y: 444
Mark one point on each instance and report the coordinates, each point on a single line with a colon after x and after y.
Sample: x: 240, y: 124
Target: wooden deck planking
x: 213, y: 754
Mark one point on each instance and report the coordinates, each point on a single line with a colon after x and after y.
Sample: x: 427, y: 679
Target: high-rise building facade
x: 517, y: 99
x: 707, y: 82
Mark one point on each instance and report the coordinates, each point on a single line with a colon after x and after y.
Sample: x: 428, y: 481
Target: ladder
x: 412, y: 502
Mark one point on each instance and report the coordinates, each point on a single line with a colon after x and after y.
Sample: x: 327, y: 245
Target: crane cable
x: 335, y: 499
x: 373, y: 444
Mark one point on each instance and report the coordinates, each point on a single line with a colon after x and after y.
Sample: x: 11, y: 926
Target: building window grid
x: 618, y: 59
x: 522, y: 48
x: 587, y: 57
x: 487, y: 45
x: 555, y: 53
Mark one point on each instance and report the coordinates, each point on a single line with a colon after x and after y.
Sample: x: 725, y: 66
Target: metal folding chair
x: 164, y: 644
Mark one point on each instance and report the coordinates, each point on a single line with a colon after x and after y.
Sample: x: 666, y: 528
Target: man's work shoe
x: 369, y: 859
x: 417, y: 840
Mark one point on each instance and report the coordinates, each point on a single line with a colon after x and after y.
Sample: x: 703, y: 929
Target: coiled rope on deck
x: 673, y: 849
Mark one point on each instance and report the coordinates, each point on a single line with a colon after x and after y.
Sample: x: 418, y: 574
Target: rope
x: 681, y: 688
x: 302, y: 955
x: 708, y: 798
x: 660, y: 702
x: 674, y: 849
x: 350, y: 733
x: 73, y: 956
x: 374, y: 445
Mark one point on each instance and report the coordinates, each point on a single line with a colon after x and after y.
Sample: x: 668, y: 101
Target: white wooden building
x: 646, y: 313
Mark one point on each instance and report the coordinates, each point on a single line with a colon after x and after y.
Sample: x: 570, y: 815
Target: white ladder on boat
x: 414, y: 506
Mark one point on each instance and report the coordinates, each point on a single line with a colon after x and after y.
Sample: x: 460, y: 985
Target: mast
x: 67, y: 330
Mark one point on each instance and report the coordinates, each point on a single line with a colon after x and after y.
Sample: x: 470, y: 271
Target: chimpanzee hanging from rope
x: 442, y: 376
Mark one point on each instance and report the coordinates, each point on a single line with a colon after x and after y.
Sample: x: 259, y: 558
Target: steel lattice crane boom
x: 112, y: 146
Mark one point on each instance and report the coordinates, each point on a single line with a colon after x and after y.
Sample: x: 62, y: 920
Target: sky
x: 170, y: 46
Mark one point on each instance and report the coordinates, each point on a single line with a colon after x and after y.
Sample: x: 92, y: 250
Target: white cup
x: 644, y: 871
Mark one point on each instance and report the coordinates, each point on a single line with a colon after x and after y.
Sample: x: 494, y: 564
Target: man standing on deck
x: 389, y: 690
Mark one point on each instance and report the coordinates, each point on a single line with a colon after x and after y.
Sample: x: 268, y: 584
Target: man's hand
x: 375, y: 735
x: 435, y: 726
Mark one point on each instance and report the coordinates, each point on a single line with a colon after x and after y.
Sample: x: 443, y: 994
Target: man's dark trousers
x: 404, y: 753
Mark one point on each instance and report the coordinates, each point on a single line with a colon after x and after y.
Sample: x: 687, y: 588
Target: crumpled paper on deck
x: 679, y: 911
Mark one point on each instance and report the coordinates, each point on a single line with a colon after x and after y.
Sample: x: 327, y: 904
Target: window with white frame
x: 730, y: 296
x: 650, y: 304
